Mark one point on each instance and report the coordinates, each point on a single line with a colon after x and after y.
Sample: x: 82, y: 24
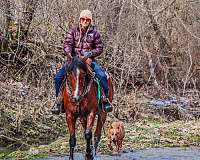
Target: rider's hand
x: 88, y: 61
x: 87, y: 54
x: 84, y: 58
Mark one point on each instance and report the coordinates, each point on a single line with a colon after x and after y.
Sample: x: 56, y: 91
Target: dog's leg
x: 116, y: 150
x: 117, y: 146
x: 110, y: 145
x: 120, y: 144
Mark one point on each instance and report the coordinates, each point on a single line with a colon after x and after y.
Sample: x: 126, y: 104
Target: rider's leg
x: 100, y: 73
x: 58, y: 79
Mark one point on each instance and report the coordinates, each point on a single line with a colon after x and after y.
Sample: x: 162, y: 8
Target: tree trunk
x: 5, y: 35
x: 164, y: 48
x: 27, y: 16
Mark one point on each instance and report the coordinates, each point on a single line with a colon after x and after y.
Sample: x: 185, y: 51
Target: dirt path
x: 146, y: 154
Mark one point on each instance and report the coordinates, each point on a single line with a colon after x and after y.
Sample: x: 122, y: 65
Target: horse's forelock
x: 77, y: 63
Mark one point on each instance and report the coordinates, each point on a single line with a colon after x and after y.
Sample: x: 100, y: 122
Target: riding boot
x: 58, y: 108
x: 106, y: 103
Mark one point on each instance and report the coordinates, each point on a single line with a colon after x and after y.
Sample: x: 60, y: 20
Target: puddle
x: 146, y: 154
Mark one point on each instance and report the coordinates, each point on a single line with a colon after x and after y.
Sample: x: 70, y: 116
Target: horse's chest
x: 79, y: 109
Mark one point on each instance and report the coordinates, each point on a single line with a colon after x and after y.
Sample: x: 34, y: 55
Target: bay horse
x: 80, y: 100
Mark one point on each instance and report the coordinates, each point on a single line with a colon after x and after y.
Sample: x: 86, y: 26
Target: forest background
x: 151, y: 49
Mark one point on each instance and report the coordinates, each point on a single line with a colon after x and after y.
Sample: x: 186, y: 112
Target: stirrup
x: 104, y: 99
x: 107, y: 106
x: 58, y: 108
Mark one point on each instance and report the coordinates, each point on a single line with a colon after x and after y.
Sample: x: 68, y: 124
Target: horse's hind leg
x: 71, y: 121
x: 97, y: 135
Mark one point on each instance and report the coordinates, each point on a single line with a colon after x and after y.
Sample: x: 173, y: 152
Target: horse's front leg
x: 88, y: 136
x: 71, y: 121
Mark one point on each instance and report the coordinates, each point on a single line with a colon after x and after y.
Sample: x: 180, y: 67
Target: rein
x: 87, y: 89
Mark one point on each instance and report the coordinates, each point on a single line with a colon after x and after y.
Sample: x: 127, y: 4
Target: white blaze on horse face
x: 77, y: 82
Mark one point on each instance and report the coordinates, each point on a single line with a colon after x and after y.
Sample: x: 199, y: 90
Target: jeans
x: 99, y: 71
x: 58, y: 79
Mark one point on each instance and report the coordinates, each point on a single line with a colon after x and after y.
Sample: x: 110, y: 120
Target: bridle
x: 87, y: 86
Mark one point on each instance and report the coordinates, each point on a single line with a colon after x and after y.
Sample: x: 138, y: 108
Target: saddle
x: 101, y: 98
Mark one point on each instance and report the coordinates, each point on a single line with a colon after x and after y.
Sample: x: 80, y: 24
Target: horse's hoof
x: 89, y: 157
x: 70, y: 158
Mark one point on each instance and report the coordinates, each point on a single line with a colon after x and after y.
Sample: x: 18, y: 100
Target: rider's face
x: 85, y: 21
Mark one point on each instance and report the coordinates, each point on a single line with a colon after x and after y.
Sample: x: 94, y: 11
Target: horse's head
x: 76, y: 78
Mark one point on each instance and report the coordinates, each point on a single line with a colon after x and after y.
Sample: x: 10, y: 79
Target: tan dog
x: 116, y: 133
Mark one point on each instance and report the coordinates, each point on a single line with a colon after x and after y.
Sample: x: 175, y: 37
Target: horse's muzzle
x: 76, y: 99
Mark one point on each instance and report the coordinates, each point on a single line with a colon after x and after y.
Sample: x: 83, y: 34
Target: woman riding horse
x: 82, y: 44
x: 85, y: 41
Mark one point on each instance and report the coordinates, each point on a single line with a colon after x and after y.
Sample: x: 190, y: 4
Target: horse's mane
x: 76, y: 63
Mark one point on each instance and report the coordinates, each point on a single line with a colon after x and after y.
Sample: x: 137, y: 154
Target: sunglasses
x: 86, y: 19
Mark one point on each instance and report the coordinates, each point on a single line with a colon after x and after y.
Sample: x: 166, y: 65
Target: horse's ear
x: 67, y: 67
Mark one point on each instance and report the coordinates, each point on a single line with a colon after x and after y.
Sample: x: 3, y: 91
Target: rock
x: 33, y: 151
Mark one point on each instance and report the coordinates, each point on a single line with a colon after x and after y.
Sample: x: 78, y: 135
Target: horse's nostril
x: 76, y: 98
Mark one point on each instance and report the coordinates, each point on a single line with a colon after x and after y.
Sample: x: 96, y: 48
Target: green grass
x: 24, y: 155
x: 141, y: 134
